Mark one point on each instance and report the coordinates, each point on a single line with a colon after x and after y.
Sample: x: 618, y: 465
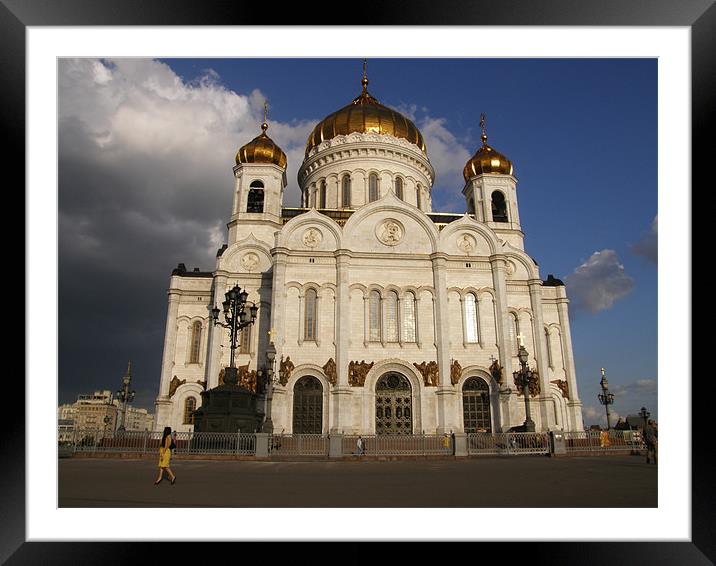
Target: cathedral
x: 384, y: 316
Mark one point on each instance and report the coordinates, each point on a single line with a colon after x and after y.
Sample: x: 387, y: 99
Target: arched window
x: 374, y: 316
x: 372, y: 187
x: 391, y: 317
x: 245, y: 344
x: 399, y: 188
x: 550, y: 361
x: 499, y: 207
x: 471, y: 322
x: 346, y: 193
x: 195, y: 343
x: 255, y: 202
x: 476, y: 405
x: 418, y: 192
x: 308, y: 406
x: 515, y: 331
x: 409, y: 326
x: 310, y: 318
x: 322, y: 195
x: 471, y: 206
x: 189, y: 407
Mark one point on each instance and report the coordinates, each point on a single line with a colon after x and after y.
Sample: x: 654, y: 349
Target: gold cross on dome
x: 365, y: 64
x: 482, y: 122
x: 265, y: 110
x: 521, y: 337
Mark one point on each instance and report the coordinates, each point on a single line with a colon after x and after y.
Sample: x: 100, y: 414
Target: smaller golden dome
x: 261, y: 149
x: 486, y: 159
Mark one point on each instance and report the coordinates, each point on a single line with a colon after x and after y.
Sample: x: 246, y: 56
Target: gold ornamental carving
x: 430, y: 372
x: 563, y: 387
x: 497, y: 372
x: 455, y: 372
x: 246, y: 378
x: 330, y: 370
x: 174, y: 384
x: 357, y: 372
x: 286, y: 369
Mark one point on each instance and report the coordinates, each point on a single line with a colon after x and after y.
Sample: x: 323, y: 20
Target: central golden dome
x: 365, y: 115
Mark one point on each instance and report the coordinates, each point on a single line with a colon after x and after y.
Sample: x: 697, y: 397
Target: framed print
x: 38, y: 37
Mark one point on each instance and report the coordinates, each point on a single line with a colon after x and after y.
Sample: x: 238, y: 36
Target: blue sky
x: 582, y: 135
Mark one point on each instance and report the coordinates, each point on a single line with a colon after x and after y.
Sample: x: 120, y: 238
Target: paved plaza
x: 605, y: 481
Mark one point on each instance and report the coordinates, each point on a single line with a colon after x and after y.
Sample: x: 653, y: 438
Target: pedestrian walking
x: 165, y: 455
x: 361, y: 447
x: 651, y: 439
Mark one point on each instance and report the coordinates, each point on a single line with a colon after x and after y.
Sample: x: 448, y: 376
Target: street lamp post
x: 270, y: 381
x: 606, y: 398
x: 124, y: 394
x: 106, y: 422
x: 237, y: 315
x: 523, y: 378
x: 644, y: 414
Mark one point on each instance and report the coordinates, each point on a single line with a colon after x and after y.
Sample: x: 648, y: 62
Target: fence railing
x: 144, y: 442
x: 603, y: 441
x: 317, y: 445
x: 399, y: 445
x: 298, y: 445
x: 487, y: 443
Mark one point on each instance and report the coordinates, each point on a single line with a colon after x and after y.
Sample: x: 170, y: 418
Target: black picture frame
x: 699, y: 15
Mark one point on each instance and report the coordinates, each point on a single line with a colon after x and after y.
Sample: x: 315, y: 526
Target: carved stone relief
x: 249, y: 261
x: 357, y: 372
x: 330, y: 370
x: 455, y: 372
x: 390, y: 232
x: 174, y: 384
x: 312, y: 237
x: 286, y: 368
x: 430, y: 373
x: 563, y: 387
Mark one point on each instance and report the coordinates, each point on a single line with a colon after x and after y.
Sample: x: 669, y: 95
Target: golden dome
x: 261, y: 149
x: 365, y: 115
x: 486, y: 159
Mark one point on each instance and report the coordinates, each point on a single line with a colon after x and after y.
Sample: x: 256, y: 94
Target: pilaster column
x: 341, y: 392
x: 575, y: 413
x: 170, y: 341
x: 535, y: 286
x: 213, y: 348
x: 503, y: 324
x: 278, y: 298
x: 446, y: 396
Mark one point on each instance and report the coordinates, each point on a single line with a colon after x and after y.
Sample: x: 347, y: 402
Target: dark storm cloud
x: 145, y: 182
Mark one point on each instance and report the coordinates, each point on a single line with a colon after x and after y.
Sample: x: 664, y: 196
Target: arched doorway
x: 476, y: 405
x: 308, y: 406
x: 393, y: 405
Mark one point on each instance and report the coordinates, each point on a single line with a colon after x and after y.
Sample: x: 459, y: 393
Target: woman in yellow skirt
x: 165, y: 455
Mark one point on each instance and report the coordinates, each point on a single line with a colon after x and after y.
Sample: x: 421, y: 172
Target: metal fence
x: 144, y: 442
x: 298, y: 445
x: 317, y: 445
x: 603, y: 441
x: 399, y: 445
x: 507, y: 443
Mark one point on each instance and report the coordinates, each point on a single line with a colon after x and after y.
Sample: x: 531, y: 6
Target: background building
x: 386, y: 317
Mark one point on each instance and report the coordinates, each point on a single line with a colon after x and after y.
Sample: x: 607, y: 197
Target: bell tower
x: 260, y: 174
x: 490, y: 187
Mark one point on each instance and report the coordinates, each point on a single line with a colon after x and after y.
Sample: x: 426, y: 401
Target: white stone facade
x: 441, y: 267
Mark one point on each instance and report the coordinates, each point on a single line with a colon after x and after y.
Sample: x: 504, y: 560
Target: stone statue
x: 330, y: 370
x: 563, y: 387
x: 286, y: 369
x: 247, y: 379
x: 430, y: 372
x: 455, y: 372
x: 174, y: 384
x: 357, y: 372
x: 497, y: 372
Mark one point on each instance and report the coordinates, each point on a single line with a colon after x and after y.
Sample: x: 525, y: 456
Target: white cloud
x: 448, y: 157
x: 599, y: 282
x: 648, y: 246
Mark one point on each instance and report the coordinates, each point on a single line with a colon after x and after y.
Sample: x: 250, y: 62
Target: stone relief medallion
x: 510, y: 268
x: 390, y: 232
x: 466, y: 243
x: 312, y: 237
x: 249, y: 261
